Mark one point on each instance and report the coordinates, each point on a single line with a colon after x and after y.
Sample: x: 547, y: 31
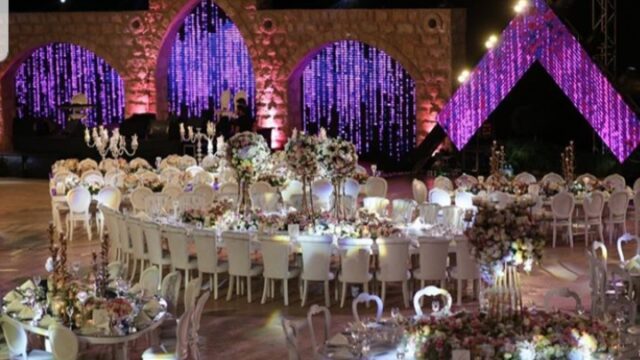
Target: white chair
x: 275, y: 258
x: 138, y: 197
x: 149, y: 282
x: 293, y: 188
x: 393, y: 264
x: 552, y: 178
x: 636, y: 212
x: 229, y: 191
x: 376, y: 187
x: 627, y: 238
x: 78, y: 201
x: 153, y: 237
x: 376, y: 205
x: 323, y: 190
x: 562, y: 206
x: 170, y: 290
x: 291, y: 330
x: 440, y: 197
x: 452, y: 217
x: 126, y: 248
x: 140, y: 255
x: 593, y: 206
x: 432, y: 260
x: 17, y: 341
x: 617, y: 205
x: 443, y: 183
x: 466, y: 181
x: 316, y: 263
x: 636, y: 186
x: 432, y: 291
x: 206, y: 192
x: 562, y: 293
x: 466, y: 269
x: 268, y: 202
x: 191, y: 294
x: 180, y: 350
x: 115, y: 178
x: 239, y: 252
x: 351, y: 188
x: 355, y: 255
x: 318, y: 346
x: 402, y: 210
x: 429, y: 213
x: 366, y: 298
x: 110, y: 197
x: 111, y: 223
x: 172, y: 190
x: 208, y: 261
x: 64, y: 343
x: 202, y: 178
x: 194, y: 337
x: 157, y: 204
x: 464, y: 200
x: 525, y: 178
x: 92, y: 177
x: 419, y: 190
x: 193, y: 170
x: 260, y: 187
x: 616, y: 182
x: 191, y: 201
x: 179, y: 252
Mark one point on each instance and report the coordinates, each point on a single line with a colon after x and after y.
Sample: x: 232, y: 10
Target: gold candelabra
x: 497, y: 159
x: 568, y: 162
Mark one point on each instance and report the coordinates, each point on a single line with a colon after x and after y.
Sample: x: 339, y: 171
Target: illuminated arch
x: 208, y: 55
x: 50, y: 75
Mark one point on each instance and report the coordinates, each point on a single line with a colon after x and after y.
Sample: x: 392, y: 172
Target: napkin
x: 338, y: 340
x: 143, y: 320
x: 633, y: 263
x: 46, y: 321
x: 26, y: 313
x: 11, y: 296
x: 27, y: 285
x: 152, y: 308
x: 100, y: 318
x: 15, y: 306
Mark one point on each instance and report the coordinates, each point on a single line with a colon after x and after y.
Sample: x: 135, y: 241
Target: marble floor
x: 235, y: 329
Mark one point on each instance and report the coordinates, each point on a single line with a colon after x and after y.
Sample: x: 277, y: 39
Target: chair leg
x: 365, y: 287
x: 384, y: 291
x: 344, y: 294
x: 600, y: 231
x: 327, y: 294
x: 272, y: 287
x: 405, y: 293
x: 134, y: 270
x: 87, y: 225
x: 265, y: 288
x: 249, y: 289
x: 459, y: 292
x: 571, y: 235
x: 230, y: 289
x: 304, y: 292
x: 215, y: 286
x: 160, y: 269
x: 285, y: 284
x: 555, y: 232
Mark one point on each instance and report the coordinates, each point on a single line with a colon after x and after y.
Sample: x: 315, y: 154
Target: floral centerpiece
x: 271, y: 222
x: 535, y: 335
x: 131, y: 181
x: 154, y: 183
x: 550, y: 189
x: 301, y: 157
x: 209, y: 217
x: 248, y: 154
x: 360, y: 177
x: 137, y: 166
x: 339, y: 159
x: 70, y: 165
x: 119, y: 308
x: 274, y: 179
x: 370, y: 225
x: 94, y: 188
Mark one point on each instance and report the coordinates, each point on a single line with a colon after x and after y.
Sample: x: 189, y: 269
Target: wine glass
x: 395, y: 314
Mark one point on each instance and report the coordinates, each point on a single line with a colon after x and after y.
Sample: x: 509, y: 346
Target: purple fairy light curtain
x: 53, y: 74
x: 361, y: 94
x: 208, y: 57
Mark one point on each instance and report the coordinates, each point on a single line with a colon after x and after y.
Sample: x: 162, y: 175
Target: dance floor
x: 235, y: 329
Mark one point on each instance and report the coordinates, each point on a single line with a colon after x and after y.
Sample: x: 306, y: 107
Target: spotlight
x: 491, y: 42
x: 63, y: 1
x: 464, y: 75
x: 521, y: 6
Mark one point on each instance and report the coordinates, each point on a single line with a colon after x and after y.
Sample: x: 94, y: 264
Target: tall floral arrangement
x: 338, y: 158
x: 301, y: 156
x: 248, y: 154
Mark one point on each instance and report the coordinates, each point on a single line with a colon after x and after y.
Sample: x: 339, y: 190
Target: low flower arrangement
x: 94, y: 188
x: 534, y: 335
x: 505, y: 236
x: 271, y: 222
x: 70, y: 165
x: 119, y: 308
x: 550, y: 189
x: 209, y: 217
x: 155, y: 184
x: 139, y: 165
x: 360, y: 177
x: 274, y: 179
x: 248, y: 154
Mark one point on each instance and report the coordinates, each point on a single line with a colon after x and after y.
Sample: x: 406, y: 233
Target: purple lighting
x: 53, y: 74
x: 361, y: 94
x: 208, y: 57
x: 541, y: 36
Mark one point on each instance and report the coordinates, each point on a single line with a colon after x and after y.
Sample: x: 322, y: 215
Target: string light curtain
x: 53, y: 74
x: 361, y: 94
x: 208, y: 57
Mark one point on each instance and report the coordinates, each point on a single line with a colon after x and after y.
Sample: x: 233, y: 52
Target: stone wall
x: 280, y: 42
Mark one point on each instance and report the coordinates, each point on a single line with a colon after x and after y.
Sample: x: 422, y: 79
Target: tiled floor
x: 235, y: 329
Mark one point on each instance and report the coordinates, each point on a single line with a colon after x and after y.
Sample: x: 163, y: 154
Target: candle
x: 87, y: 137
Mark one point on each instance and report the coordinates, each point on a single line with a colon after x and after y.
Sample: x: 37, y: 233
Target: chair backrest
x: 315, y: 310
x: 194, y: 170
x: 351, y: 188
x: 636, y: 186
x: 172, y: 190
x: 402, y: 210
x: 153, y: 237
x: 64, y: 343
x: 267, y: 202
x: 206, y: 192
x: 79, y: 200
x: 260, y: 187
x: 323, y: 189
x: 92, y: 176
x: 452, y: 217
x: 203, y: 178
x: 16, y: 338
x: 183, y: 335
x: 466, y: 181
x: 293, y: 188
x: 291, y: 330
x: 136, y: 234
x: 275, y: 255
x: 376, y: 205
x: 178, y: 246
x: 355, y: 257
x: 444, y: 183
x: 170, y: 289
x: 191, y: 201
x: 618, y: 204
x: 562, y: 205
x: 138, y: 197
x: 191, y: 293
x: 525, y: 178
x: 563, y: 293
x: 366, y: 298
x: 429, y: 213
x: 206, y: 250
x: 229, y: 188
x: 238, y: 248
x: 376, y: 187
x: 316, y: 256
x: 110, y: 196
x: 150, y: 281
x: 593, y: 205
x: 197, y: 314
x: 433, y: 258
x: 626, y: 238
x: 419, y: 190
x: 616, y: 181
x: 432, y: 291
x: 552, y: 178
x: 393, y: 257
x: 466, y: 264
x: 440, y: 197
x: 156, y: 204
x: 464, y: 200
x: 604, y: 254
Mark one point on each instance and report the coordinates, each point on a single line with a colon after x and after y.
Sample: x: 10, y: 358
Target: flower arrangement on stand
x: 339, y: 159
x: 301, y: 153
x: 248, y: 154
x: 568, y: 159
x: 497, y: 160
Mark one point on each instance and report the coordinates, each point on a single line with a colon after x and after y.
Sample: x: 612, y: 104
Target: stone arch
x: 169, y: 38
